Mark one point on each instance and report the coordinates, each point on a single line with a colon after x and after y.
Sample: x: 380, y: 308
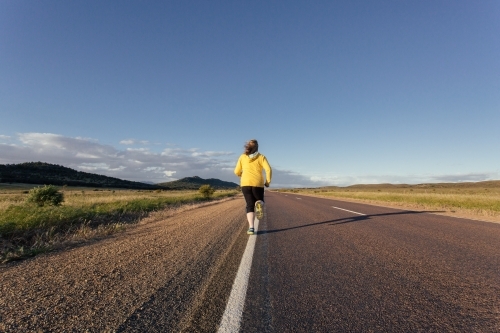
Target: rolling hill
x: 53, y: 174
x: 457, y: 185
x: 194, y: 183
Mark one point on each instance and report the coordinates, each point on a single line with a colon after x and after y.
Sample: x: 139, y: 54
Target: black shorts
x: 252, y: 194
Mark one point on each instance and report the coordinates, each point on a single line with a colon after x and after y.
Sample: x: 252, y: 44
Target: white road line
x: 350, y: 211
x: 231, y: 319
x: 298, y: 198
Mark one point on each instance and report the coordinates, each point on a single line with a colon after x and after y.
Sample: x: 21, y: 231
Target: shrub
x: 47, y: 195
x: 206, y: 191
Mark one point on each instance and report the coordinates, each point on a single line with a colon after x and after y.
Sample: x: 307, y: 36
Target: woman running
x: 249, y: 168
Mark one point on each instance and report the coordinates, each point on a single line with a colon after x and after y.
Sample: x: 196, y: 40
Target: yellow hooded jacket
x: 250, y: 170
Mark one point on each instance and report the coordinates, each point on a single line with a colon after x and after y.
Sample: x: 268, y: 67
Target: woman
x: 249, y: 168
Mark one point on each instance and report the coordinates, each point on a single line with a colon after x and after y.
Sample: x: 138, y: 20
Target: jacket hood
x: 254, y: 155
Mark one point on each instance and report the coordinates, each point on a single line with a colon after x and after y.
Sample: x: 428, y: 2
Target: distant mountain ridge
x: 53, y: 174
x: 485, y: 184
x: 195, y: 182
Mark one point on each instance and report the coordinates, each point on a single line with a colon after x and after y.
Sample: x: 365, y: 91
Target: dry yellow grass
x: 470, y: 200
x: 75, y: 197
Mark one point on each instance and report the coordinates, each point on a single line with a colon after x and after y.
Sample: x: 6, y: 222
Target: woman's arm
x: 268, y: 169
x: 238, y: 169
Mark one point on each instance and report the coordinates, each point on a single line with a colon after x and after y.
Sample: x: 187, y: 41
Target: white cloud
x: 407, y: 179
x: 129, y: 142
x: 90, y: 167
x: 4, y: 137
x: 138, y: 164
x: 465, y: 177
x: 138, y: 149
x: 285, y: 178
x: 83, y: 155
x: 212, y: 153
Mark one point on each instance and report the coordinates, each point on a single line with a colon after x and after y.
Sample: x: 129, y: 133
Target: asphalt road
x: 322, y: 269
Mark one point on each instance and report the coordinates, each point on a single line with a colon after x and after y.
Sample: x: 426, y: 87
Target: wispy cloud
x: 408, y: 179
x: 212, y: 153
x: 465, y: 177
x: 138, y: 164
x: 287, y: 178
x: 129, y: 142
x: 143, y: 164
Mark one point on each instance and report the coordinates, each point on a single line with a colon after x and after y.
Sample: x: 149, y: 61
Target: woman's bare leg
x: 250, y: 218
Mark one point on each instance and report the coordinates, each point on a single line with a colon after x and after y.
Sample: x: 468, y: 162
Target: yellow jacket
x: 250, y: 170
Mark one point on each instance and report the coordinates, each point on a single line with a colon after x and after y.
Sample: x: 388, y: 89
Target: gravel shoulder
x: 104, y: 286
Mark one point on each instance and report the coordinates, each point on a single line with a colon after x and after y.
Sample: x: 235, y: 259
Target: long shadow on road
x: 348, y: 220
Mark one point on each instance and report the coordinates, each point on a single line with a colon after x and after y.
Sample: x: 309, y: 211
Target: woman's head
x: 251, y: 147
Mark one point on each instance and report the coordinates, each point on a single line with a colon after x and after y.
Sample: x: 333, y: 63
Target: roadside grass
x: 27, y: 230
x: 468, y: 200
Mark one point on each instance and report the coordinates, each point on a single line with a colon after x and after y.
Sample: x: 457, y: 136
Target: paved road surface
x: 321, y: 269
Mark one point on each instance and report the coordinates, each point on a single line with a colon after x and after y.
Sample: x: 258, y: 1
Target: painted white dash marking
x: 299, y: 198
x: 350, y: 211
x: 231, y: 319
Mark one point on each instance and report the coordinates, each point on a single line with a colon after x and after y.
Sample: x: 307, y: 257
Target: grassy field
x: 472, y: 200
x: 26, y: 230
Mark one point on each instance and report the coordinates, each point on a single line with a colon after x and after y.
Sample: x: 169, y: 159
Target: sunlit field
x: 26, y: 229
x: 477, y: 200
x: 84, y: 196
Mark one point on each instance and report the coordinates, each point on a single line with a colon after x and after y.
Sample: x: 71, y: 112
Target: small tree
x: 47, y: 195
x: 207, y: 191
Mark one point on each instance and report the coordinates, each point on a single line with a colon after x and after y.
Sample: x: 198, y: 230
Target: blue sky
x: 336, y: 92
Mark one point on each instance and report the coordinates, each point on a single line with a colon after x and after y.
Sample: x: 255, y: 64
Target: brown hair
x: 251, y: 147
